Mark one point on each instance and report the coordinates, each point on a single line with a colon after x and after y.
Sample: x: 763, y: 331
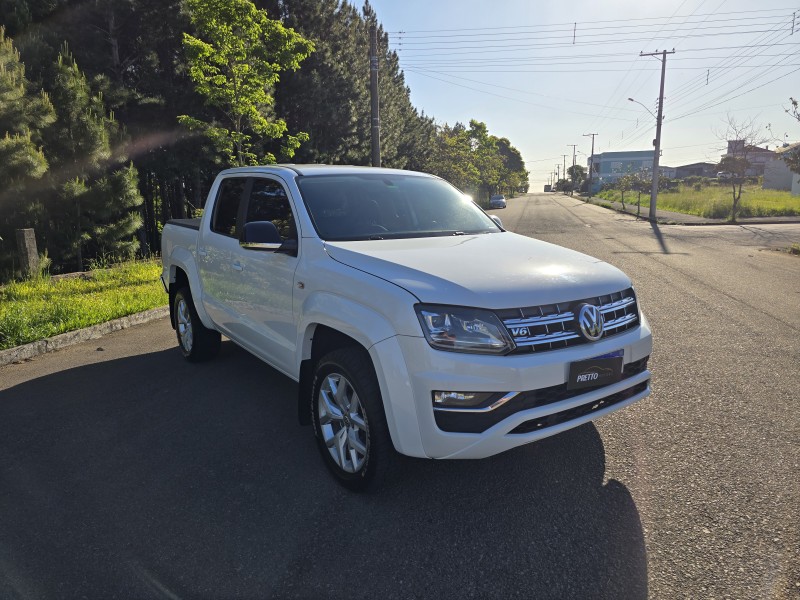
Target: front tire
x: 196, y: 341
x: 349, y: 420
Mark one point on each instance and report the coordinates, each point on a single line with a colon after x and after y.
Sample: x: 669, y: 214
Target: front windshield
x: 381, y: 206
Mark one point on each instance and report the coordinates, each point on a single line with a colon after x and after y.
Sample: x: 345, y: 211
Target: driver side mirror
x: 497, y: 220
x: 263, y: 235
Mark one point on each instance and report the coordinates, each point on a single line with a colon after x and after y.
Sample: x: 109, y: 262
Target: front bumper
x: 409, y: 370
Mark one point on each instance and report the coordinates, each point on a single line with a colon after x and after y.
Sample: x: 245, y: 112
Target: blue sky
x: 542, y: 74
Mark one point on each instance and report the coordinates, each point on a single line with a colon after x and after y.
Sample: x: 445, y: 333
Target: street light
x: 656, y: 144
x: 644, y: 107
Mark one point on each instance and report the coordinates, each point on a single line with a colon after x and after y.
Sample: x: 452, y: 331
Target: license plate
x: 594, y: 372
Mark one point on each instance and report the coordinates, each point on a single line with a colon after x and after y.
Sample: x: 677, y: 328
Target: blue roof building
x: 610, y: 166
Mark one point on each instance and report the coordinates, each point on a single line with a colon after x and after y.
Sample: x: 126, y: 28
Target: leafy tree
x: 563, y: 185
x: 486, y: 157
x: 234, y: 64
x: 625, y: 184
x: 577, y: 174
x: 747, y: 136
x: 452, y: 158
x: 513, y: 176
x: 792, y: 158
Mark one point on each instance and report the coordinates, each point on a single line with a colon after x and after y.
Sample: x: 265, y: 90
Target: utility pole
x: 572, y: 190
x: 564, y: 172
x: 659, y: 119
x: 591, y: 162
x: 373, y: 92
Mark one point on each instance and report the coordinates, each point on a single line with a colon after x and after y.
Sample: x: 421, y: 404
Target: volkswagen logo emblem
x: 590, y: 320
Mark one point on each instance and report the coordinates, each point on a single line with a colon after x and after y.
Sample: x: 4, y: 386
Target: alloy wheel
x: 343, y: 423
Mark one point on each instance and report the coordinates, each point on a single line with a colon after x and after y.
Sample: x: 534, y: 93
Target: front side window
x: 380, y: 206
x: 269, y: 202
x: 226, y: 208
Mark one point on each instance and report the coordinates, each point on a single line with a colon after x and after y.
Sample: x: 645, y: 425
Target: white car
x: 380, y: 291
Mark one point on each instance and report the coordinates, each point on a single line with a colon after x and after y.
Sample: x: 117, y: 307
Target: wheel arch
x: 318, y: 340
x: 183, y: 271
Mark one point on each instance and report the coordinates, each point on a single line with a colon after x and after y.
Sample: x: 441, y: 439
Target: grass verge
x: 715, y: 202
x: 39, y: 308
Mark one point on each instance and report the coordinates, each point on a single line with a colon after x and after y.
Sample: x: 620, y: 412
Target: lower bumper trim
x: 579, y: 411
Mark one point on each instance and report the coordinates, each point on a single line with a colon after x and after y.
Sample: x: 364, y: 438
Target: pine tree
x: 23, y: 115
x: 85, y: 202
x: 112, y: 226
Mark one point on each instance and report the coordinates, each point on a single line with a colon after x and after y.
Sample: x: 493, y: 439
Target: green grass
x: 39, y: 308
x: 715, y: 202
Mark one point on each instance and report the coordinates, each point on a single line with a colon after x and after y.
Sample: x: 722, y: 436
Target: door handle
x: 237, y: 266
x: 202, y: 252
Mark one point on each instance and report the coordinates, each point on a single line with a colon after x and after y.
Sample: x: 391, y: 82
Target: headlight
x: 461, y: 329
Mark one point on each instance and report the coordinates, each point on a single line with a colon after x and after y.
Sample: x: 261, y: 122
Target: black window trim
x: 244, y: 203
x: 239, y: 218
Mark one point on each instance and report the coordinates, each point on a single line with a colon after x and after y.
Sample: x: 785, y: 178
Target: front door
x: 264, y: 297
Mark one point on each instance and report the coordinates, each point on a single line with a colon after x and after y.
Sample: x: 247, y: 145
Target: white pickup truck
x: 412, y: 321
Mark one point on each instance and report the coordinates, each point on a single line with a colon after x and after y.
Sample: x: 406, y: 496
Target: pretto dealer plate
x: 594, y: 372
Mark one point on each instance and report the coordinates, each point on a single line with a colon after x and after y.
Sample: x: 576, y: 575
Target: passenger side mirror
x: 497, y: 220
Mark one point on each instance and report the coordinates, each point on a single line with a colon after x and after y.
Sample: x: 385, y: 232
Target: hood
x: 498, y: 270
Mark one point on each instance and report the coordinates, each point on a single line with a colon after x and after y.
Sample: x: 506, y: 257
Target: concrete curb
x: 26, y: 351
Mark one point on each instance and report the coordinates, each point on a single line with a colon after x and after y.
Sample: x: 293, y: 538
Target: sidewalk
x: 665, y: 217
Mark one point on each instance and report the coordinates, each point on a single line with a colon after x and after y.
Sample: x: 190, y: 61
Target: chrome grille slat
x: 546, y: 338
x: 552, y: 326
x: 618, y: 305
x: 532, y: 321
x: 617, y: 323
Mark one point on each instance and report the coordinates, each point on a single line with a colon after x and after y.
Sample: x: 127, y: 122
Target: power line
x: 617, y: 40
x: 594, y: 70
x: 500, y: 95
x: 478, y: 39
x: 739, y: 12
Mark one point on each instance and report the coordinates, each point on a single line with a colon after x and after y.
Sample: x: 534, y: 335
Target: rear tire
x: 196, y: 342
x: 349, y: 420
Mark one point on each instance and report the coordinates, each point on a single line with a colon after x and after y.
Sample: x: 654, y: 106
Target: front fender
x: 363, y: 324
x: 369, y: 328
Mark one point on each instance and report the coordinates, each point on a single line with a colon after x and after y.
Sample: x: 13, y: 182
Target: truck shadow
x: 149, y: 477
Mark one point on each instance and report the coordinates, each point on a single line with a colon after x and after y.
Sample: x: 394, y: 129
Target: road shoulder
x: 39, y: 347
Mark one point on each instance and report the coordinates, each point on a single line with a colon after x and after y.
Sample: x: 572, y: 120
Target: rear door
x: 216, y: 253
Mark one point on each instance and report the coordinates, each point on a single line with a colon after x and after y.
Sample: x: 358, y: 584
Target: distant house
x: 700, y: 169
x: 777, y: 175
x: 668, y: 172
x: 607, y: 167
x: 757, y: 157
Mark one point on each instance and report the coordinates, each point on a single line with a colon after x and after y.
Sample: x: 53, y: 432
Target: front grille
x: 578, y: 411
x: 478, y: 422
x: 553, y: 326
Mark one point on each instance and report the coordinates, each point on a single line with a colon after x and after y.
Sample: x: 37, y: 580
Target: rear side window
x: 269, y: 202
x: 227, y: 206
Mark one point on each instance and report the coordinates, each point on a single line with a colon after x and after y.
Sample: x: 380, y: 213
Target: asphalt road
x: 126, y: 472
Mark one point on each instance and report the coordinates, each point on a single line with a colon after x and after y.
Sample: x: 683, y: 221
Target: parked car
x: 381, y: 293
x: 724, y: 176
x: 497, y: 201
